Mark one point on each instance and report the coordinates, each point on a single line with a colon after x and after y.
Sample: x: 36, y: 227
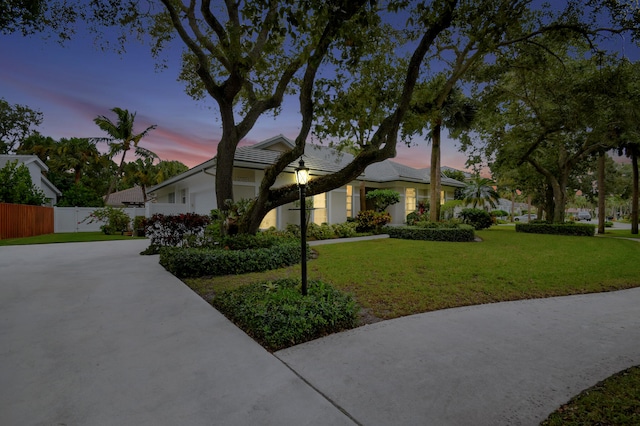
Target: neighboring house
x: 194, y: 190
x: 36, y: 169
x: 132, y: 197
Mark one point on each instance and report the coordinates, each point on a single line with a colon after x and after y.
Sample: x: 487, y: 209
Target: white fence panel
x: 75, y: 219
x: 166, y: 208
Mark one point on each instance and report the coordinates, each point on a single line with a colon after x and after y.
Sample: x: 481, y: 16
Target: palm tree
x: 444, y: 105
x: 143, y: 172
x: 479, y: 191
x: 120, y: 140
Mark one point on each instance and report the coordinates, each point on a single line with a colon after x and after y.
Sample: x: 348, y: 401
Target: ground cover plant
x: 391, y: 277
x: 614, y: 401
x: 277, y: 315
x: 64, y: 237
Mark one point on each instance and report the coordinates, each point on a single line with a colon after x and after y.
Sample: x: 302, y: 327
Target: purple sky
x: 74, y: 83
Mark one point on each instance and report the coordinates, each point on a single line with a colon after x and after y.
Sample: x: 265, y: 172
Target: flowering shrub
x: 174, y: 230
x: 116, y: 219
x: 369, y: 220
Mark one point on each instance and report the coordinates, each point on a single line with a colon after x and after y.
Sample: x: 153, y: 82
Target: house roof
x: 319, y: 159
x: 128, y: 196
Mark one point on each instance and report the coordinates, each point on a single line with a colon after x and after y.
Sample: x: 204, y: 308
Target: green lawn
x: 620, y: 233
x: 66, y: 237
x: 392, y: 278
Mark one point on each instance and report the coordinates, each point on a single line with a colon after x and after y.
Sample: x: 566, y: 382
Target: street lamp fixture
x: 302, y: 178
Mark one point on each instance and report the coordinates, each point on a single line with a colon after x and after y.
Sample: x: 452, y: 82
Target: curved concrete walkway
x: 93, y: 334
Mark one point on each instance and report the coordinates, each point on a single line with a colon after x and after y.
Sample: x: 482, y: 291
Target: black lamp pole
x: 302, y: 174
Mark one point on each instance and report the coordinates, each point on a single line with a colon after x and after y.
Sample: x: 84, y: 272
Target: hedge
x: 462, y: 233
x: 277, y: 315
x: 198, y: 262
x: 577, y: 229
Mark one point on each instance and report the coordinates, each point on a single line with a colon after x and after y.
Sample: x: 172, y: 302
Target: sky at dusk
x: 74, y: 83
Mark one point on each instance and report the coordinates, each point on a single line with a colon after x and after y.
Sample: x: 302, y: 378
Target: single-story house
x: 37, y: 168
x: 131, y: 197
x: 194, y: 189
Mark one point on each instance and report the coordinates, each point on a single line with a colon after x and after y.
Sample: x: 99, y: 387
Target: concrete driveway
x: 93, y: 334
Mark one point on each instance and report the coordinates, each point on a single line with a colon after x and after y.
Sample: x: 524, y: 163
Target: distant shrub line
x: 461, y: 233
x: 576, y: 229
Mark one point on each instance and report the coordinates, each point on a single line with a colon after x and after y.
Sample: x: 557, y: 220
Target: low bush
x: 369, y: 220
x: 567, y: 228
x: 608, y: 224
x: 173, y: 230
x: 197, y: 262
x: 115, y: 219
x: 345, y: 230
x: 461, y: 233
x: 477, y: 218
x: 320, y: 232
x: 277, y: 315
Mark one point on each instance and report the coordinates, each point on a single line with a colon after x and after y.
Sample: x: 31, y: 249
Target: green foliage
x: 116, y: 219
x: 16, y: 186
x: 320, y: 232
x: 478, y: 218
x: 383, y: 198
x: 479, y: 191
x: 461, y: 233
x: 369, y: 220
x: 277, y: 315
x: 608, y: 224
x: 569, y: 228
x: 173, y: 230
x: 197, y: 262
x: 80, y: 196
x: 345, y: 230
x: 499, y: 213
x: 16, y: 121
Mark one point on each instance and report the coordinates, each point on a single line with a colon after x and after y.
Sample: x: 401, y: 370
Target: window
x: 409, y: 200
x: 349, y: 201
x: 320, y: 209
x: 171, y: 199
x: 442, y: 197
x: 183, y: 196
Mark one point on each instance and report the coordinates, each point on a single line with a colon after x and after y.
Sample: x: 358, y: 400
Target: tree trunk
x: 434, y: 182
x: 601, y: 192
x: 224, y: 168
x: 634, y: 194
x: 114, y: 180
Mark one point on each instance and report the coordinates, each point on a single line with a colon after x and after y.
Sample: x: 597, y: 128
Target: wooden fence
x: 18, y: 220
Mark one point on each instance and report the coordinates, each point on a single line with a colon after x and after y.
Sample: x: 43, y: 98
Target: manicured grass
x: 619, y: 233
x: 614, y: 401
x: 66, y: 237
x: 392, y: 278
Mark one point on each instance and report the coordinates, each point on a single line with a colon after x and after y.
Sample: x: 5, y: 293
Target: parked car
x: 525, y: 218
x: 582, y: 216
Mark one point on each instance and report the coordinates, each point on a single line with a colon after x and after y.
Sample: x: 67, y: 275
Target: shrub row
x: 198, y: 262
x: 277, y: 315
x: 171, y: 230
x: 463, y: 233
x: 577, y: 229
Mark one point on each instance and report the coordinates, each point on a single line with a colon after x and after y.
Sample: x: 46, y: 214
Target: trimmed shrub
x: 197, y: 262
x: 462, y: 233
x: 345, y: 230
x: 277, y: 315
x: 369, y: 220
x: 320, y: 232
x: 477, y: 218
x: 171, y: 230
x: 383, y: 198
x: 568, y: 228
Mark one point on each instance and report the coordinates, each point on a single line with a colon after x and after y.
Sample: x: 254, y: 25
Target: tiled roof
x: 128, y: 196
x: 320, y: 160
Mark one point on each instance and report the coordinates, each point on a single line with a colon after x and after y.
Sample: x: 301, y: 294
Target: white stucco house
x: 194, y: 190
x: 36, y: 169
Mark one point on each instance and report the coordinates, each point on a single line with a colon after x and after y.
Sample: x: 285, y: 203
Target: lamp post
x: 302, y: 177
